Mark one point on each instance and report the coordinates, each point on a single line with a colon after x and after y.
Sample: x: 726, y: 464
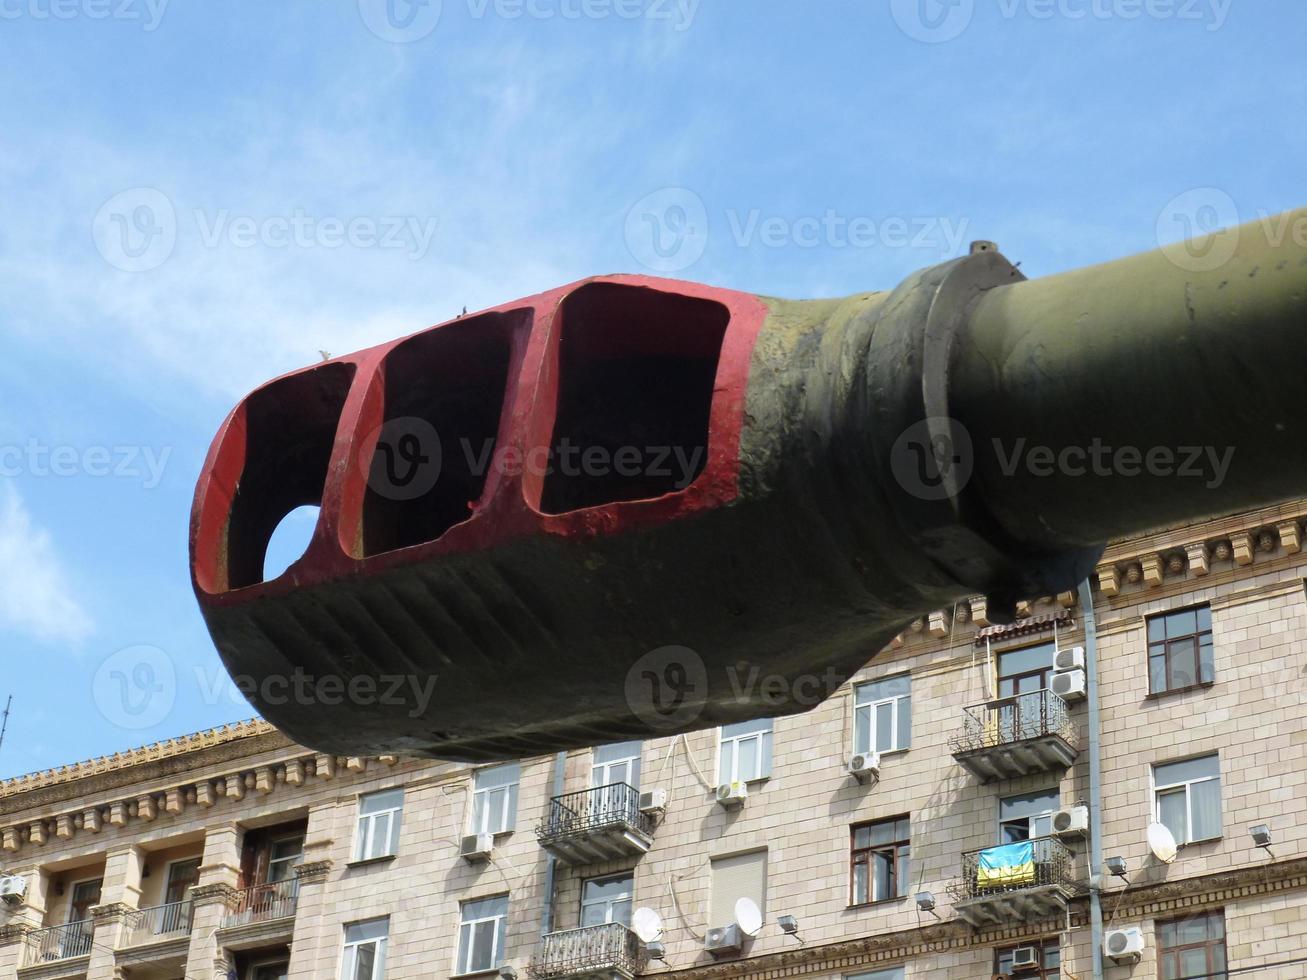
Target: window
x: 745, y: 751
x: 1048, y: 954
x: 1192, y: 947
x: 882, y: 715
x: 893, y: 973
x: 1024, y: 671
x: 494, y: 799
x: 1027, y: 817
x: 182, y: 876
x: 378, y: 828
x: 1180, y: 650
x: 270, y: 971
x: 365, y: 950
x: 285, y: 853
x: 481, y: 934
x: 1189, y: 798
x: 606, y: 900
x: 880, y: 858
x: 617, y: 763
x: 736, y: 877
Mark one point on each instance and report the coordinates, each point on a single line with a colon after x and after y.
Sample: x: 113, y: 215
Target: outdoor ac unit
x: 865, y: 767
x: 1071, y: 822
x: 724, y: 941
x: 1070, y: 685
x: 13, y: 888
x: 1124, y: 946
x: 1025, y: 958
x: 653, y: 801
x: 477, y: 847
x: 1069, y: 658
x: 732, y: 795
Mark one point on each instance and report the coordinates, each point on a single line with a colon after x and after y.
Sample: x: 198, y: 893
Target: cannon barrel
x: 631, y: 506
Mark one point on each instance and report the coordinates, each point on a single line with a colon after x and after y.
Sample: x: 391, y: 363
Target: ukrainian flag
x: 1006, y: 866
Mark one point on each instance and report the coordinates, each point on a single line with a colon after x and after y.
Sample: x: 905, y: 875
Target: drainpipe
x: 1095, y: 784
x: 551, y: 863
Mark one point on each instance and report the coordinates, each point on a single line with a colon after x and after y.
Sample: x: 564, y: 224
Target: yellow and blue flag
x: 1005, y: 866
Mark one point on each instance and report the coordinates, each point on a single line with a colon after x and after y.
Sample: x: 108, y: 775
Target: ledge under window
x: 368, y: 862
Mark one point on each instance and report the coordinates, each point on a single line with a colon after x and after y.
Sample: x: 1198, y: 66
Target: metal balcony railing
x: 261, y: 903
x: 600, y: 824
x: 593, y: 809
x: 611, y: 947
x: 1052, y: 865
x: 58, y: 942
x: 156, y: 923
x: 1014, y: 719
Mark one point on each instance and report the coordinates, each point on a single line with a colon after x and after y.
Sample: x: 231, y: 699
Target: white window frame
x: 887, y: 973
x: 728, y: 748
x: 607, y: 767
x: 1186, y: 784
x: 507, y: 808
x: 366, y: 846
x: 466, y: 933
x: 1043, y: 814
x: 607, y: 903
x: 869, y: 707
x: 350, y: 948
x: 292, y: 862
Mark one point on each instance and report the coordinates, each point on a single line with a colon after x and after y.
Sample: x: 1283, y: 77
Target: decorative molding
x: 312, y: 871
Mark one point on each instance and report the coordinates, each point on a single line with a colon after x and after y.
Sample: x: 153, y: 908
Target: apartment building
x: 929, y: 820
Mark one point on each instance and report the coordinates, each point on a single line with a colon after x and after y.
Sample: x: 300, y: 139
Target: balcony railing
x: 262, y: 903
x: 997, y: 888
x: 157, y: 923
x: 1016, y: 736
x: 600, y: 824
x: 58, y: 943
x: 606, y: 949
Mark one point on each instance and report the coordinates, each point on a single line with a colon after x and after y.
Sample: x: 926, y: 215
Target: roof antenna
x: 4, y: 720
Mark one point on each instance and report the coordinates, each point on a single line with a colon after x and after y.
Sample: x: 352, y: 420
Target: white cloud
x: 35, y: 594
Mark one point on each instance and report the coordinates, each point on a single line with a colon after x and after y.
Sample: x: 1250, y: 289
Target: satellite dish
x: 647, y: 924
x: 748, y: 916
x: 1162, y: 843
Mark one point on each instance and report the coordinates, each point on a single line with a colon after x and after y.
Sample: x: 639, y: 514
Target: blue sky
x: 195, y: 197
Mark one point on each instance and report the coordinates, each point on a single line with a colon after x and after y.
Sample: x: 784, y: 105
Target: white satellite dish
x: 748, y: 917
x: 1162, y: 843
x: 647, y: 924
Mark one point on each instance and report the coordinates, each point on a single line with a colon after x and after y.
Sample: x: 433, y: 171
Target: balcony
x: 1014, y: 883
x: 600, y: 824
x: 610, y: 951
x: 68, y: 945
x: 156, y: 925
x: 263, y: 903
x: 1016, y: 736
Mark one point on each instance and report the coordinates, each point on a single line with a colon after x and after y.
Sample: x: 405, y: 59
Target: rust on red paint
x: 510, y: 504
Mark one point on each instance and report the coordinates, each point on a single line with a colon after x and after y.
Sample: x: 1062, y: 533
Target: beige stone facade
x: 271, y: 830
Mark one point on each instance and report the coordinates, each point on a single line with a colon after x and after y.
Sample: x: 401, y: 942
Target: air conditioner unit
x: 732, y: 795
x: 1069, y: 658
x: 1071, y: 822
x: 724, y: 941
x: 1124, y: 946
x: 653, y: 801
x: 13, y: 888
x: 477, y: 847
x: 1070, y: 685
x: 865, y: 767
x: 1025, y: 958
